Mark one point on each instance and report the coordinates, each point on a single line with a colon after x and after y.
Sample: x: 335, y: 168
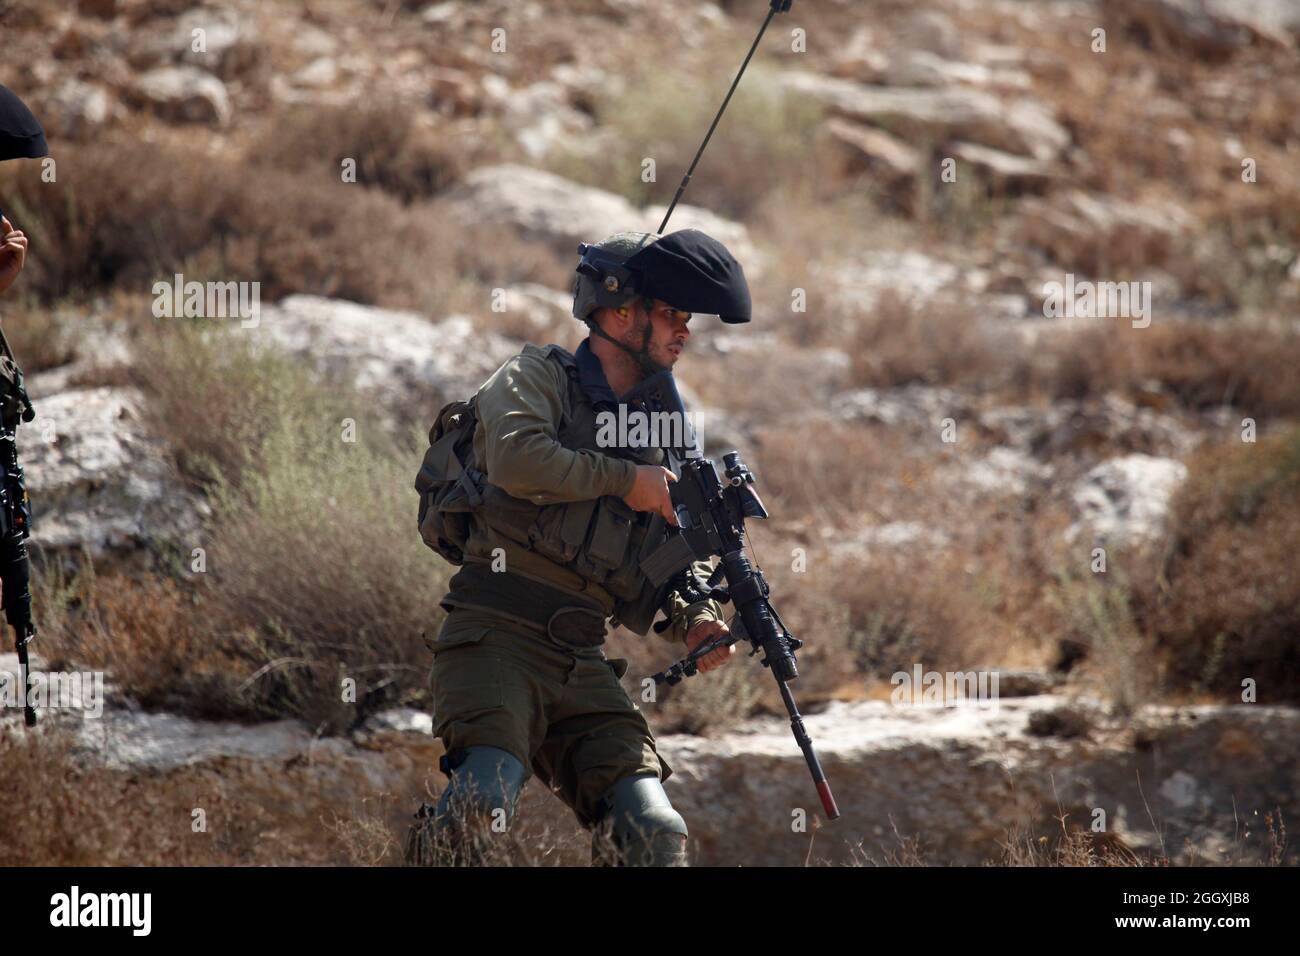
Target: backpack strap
x: 567, y: 361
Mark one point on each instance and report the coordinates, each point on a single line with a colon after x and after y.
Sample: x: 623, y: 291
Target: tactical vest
x: 602, y: 539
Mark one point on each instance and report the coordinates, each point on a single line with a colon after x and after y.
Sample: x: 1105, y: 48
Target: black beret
x: 21, y: 136
x: 695, y: 273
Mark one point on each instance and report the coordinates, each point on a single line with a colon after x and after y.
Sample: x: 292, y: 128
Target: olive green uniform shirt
x: 519, y: 411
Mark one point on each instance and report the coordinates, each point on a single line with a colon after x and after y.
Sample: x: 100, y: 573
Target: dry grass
x: 58, y: 807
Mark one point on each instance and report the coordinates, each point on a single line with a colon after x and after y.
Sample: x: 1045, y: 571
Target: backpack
x: 449, y: 484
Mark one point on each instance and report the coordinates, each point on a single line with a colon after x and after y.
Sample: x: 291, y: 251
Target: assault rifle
x: 711, y: 513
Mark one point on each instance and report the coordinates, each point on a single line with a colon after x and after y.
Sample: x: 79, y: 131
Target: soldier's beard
x: 644, y: 361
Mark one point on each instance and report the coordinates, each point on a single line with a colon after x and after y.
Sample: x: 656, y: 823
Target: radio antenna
x: 778, y: 6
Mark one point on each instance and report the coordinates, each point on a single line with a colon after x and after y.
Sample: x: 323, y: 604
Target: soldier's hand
x: 650, y: 492
x: 704, y: 632
x: 13, y: 253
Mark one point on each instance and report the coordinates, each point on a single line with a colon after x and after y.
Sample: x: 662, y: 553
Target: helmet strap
x: 642, y: 355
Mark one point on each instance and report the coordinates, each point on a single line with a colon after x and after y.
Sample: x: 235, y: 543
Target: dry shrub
x: 390, y: 150
x: 315, y: 572
x: 1229, y: 605
x: 829, y: 472
x: 1096, y: 621
x: 905, y: 610
x: 215, y: 399
x: 1246, y: 251
x: 897, y: 342
x: 41, y: 338
x: 319, y: 576
x: 149, y: 634
x: 1201, y: 366
x: 716, y: 700
x: 128, y: 214
x: 318, y: 573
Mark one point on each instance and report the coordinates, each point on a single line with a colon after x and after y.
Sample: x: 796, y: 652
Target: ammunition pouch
x: 595, y: 538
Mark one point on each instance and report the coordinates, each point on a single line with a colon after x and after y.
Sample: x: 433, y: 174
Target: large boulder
x: 183, y: 94
x: 77, y: 110
x: 1125, y: 499
x: 554, y: 210
x: 220, y: 41
x: 98, y: 480
x: 395, y: 355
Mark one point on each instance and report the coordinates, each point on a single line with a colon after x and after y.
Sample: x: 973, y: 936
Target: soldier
x: 554, y: 527
x: 21, y: 137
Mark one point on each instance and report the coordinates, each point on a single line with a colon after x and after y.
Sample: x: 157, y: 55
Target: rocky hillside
x: 972, y: 461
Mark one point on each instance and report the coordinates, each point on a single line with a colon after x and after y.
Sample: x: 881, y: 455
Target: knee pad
x: 484, y: 780
x: 644, y: 827
x: 485, y: 783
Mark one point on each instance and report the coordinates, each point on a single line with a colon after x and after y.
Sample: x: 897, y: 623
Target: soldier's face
x: 670, y: 332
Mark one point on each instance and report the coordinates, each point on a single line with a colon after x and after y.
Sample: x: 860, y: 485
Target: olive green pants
x: 560, y: 711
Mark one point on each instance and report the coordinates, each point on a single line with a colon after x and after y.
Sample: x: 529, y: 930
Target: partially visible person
x: 13, y: 253
x: 21, y: 137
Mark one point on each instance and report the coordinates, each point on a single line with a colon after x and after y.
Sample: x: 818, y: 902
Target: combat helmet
x: 687, y: 269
